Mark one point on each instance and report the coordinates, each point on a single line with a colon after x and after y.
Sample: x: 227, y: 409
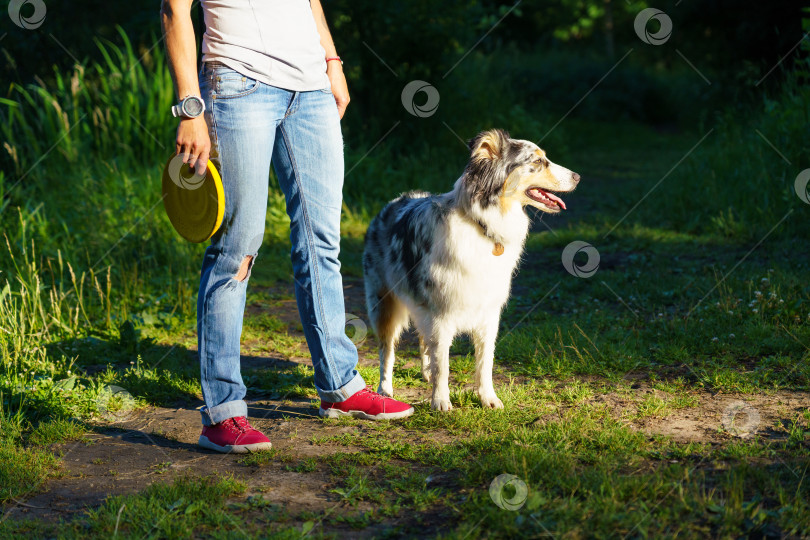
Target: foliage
x: 741, y: 181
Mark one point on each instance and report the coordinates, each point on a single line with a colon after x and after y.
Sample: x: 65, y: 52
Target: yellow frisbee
x: 194, y: 203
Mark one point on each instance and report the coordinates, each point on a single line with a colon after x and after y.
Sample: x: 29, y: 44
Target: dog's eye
x: 540, y: 162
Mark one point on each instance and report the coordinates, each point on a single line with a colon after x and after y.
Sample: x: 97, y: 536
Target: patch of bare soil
x: 715, y: 418
x: 158, y: 444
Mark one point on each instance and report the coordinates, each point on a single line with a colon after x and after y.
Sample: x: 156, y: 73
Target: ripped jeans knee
x: 244, y: 268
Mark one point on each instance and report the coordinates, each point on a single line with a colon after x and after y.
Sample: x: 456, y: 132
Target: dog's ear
x: 485, y: 172
x: 488, y: 144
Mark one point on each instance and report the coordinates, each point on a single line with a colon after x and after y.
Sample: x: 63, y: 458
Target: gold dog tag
x: 498, y: 249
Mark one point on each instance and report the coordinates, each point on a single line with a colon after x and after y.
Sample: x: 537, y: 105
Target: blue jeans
x: 249, y: 123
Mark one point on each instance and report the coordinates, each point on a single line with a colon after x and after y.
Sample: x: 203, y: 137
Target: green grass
x: 25, y: 462
x: 188, y: 507
x: 587, y: 475
x: 23, y: 470
x: 687, y: 303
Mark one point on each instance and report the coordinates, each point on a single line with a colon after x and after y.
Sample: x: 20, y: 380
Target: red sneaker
x: 367, y: 405
x: 234, y: 435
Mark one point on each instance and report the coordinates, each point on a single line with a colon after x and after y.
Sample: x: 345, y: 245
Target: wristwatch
x: 189, y: 107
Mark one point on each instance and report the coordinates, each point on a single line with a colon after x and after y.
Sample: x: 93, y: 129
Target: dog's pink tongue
x: 555, y: 199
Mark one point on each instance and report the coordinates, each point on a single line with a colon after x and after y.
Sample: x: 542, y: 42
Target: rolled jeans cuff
x: 344, y: 392
x: 222, y: 412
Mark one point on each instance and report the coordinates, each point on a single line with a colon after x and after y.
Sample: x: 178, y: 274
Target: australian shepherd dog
x: 445, y: 262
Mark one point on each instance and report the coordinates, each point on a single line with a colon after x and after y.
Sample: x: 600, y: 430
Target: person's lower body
x: 252, y: 124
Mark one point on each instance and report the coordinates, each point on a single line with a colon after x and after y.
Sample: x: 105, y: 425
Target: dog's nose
x: 575, y: 176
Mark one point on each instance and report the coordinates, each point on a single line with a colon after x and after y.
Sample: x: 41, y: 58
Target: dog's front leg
x: 439, y: 350
x: 484, y: 339
x: 386, y: 387
x: 427, y: 372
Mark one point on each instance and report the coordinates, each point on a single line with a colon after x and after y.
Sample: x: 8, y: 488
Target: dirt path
x: 157, y: 444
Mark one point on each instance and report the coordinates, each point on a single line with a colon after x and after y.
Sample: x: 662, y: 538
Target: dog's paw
x: 427, y: 375
x: 491, y: 401
x: 440, y: 404
x: 386, y: 390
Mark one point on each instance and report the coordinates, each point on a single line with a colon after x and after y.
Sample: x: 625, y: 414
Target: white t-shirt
x: 273, y: 41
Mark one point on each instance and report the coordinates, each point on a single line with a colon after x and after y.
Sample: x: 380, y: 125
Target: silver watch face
x: 192, y: 106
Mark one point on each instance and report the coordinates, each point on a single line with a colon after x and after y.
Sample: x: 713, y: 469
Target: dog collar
x: 498, y: 248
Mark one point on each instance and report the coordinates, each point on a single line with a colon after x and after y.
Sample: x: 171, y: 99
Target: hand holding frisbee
x: 195, y: 203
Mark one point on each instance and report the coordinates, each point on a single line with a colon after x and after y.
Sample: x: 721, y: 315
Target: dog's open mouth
x: 545, y: 197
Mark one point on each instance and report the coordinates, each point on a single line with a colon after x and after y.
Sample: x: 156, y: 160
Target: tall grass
x: 114, y: 108
x: 40, y: 305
